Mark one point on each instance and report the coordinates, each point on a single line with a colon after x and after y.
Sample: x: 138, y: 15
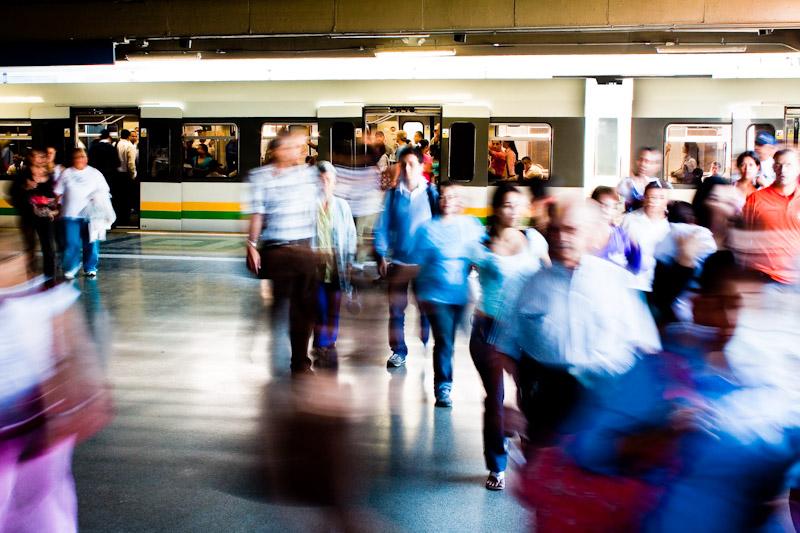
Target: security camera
x: 460, y: 37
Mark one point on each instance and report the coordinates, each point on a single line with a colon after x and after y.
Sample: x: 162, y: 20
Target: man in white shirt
x: 79, y: 186
x: 766, y: 148
x: 126, y: 180
x: 632, y: 188
x: 648, y: 226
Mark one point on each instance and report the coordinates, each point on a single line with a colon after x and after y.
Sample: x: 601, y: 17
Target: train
x: 581, y: 132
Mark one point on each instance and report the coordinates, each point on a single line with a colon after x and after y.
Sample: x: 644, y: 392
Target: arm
x: 130, y: 156
x: 253, y: 232
x: 382, y: 234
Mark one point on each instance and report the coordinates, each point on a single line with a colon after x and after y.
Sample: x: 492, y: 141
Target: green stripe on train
x: 217, y: 215
x: 171, y: 215
x: 10, y: 211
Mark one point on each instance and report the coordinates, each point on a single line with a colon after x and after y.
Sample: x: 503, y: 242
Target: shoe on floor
x: 70, y: 274
x: 443, y: 400
x: 396, y: 360
x: 92, y: 274
x: 496, y: 481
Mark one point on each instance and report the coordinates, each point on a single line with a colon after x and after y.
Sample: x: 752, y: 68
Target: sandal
x: 495, y: 483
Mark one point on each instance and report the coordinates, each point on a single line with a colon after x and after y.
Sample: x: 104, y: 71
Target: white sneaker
x: 92, y: 274
x: 70, y: 274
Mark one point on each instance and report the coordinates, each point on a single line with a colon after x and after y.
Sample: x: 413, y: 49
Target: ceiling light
x: 21, y: 99
x: 151, y: 56
x: 700, y: 49
x: 414, y: 53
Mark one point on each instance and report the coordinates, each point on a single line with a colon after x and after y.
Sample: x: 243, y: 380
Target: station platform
x: 203, y: 402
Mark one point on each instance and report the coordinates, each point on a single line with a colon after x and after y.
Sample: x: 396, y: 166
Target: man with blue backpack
x: 407, y: 206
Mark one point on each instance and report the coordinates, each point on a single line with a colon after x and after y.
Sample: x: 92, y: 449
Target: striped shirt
x: 287, y: 198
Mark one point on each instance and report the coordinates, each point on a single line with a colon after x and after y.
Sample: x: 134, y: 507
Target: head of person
x: 105, y: 134
x: 425, y: 146
x: 134, y: 137
x: 572, y: 232
x: 718, y: 299
x: 648, y: 160
x: 418, y: 136
x: 607, y: 199
x: 787, y: 167
x: 749, y: 165
x: 327, y: 178
x: 283, y: 150
x: 380, y: 137
x: 125, y: 134
x: 765, y: 145
x: 37, y: 157
x: 410, y: 160
x: 51, y: 155
x: 510, y: 145
x: 714, y: 199
x: 496, y: 145
x: 401, y: 137
x: 437, y: 129
x: 79, y: 158
x: 202, y: 150
x: 655, y: 201
x: 507, y: 204
x: 527, y: 162
x: 680, y: 212
x: 450, y: 201
x: 716, y: 168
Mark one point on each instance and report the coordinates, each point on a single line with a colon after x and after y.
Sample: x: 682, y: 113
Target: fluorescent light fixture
x: 701, y: 49
x: 382, y: 36
x: 415, y: 53
x: 21, y: 99
x: 150, y: 56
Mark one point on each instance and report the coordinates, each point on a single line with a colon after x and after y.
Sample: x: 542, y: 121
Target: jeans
x: 489, y: 364
x: 329, y: 300
x: 400, y: 277
x: 76, y: 235
x: 444, y: 319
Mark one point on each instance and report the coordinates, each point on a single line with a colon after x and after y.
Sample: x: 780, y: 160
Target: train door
x: 394, y: 125
x: 791, y: 121
x: 90, y: 125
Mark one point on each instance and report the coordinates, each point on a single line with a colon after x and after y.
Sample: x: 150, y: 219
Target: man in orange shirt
x: 774, y: 212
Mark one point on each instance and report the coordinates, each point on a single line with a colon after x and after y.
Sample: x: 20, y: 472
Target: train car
x: 579, y: 132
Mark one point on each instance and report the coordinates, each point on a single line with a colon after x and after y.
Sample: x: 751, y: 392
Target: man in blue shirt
x: 406, y: 207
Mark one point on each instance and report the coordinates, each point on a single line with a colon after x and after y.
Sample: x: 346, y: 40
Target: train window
x: 411, y: 127
x: 462, y: 151
x: 691, y: 150
x: 210, y: 151
x: 532, y: 143
x: 270, y: 130
x: 15, y: 141
x: 158, y: 140
x: 752, y: 132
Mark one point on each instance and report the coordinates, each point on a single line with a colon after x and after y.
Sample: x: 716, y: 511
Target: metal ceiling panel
x: 467, y: 14
x: 780, y: 13
x: 209, y: 17
x: 557, y: 13
x: 298, y: 16
x: 663, y: 12
x: 360, y: 16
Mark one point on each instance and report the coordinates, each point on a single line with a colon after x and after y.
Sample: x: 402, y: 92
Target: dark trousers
x: 292, y: 268
x: 326, y: 328
x: 549, y: 397
x: 490, y: 364
x: 43, y: 229
x: 399, y: 279
x: 444, y: 320
x: 124, y: 197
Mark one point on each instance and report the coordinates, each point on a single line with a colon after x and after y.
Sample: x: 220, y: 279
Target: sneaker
x: 396, y: 360
x: 443, y: 399
x: 91, y: 274
x: 70, y: 274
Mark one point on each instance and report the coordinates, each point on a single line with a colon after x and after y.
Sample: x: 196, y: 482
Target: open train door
x: 124, y: 180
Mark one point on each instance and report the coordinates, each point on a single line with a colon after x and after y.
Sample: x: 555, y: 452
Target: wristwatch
x: 254, y: 244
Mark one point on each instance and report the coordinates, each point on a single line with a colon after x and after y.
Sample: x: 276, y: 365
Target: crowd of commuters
x: 613, y: 315
x: 67, y: 210
x: 650, y: 340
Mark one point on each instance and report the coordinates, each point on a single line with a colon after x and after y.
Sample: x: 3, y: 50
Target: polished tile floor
x: 211, y: 436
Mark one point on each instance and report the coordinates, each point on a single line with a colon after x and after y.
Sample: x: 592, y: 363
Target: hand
x: 253, y: 260
x: 383, y: 267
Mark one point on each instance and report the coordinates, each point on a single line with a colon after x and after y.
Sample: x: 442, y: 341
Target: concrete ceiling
x: 250, y: 28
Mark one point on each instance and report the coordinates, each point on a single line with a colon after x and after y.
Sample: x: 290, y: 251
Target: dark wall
x: 50, y: 132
